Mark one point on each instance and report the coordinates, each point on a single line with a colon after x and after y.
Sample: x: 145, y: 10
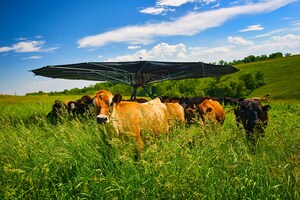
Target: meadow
x: 281, y: 77
x: 79, y: 159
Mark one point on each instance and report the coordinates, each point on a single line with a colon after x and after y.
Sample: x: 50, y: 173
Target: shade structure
x: 134, y: 73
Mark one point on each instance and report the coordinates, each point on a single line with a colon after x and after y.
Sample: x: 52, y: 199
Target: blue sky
x: 36, y: 33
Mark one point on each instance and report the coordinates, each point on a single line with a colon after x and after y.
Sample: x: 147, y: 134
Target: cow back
x: 211, y: 110
x: 175, y: 114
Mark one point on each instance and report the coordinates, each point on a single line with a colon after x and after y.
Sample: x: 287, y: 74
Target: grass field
x: 281, y: 77
x: 80, y: 159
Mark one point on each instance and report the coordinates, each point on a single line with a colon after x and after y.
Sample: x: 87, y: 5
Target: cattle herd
x: 160, y: 115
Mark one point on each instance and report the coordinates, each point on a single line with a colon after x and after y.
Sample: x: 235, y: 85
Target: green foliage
x: 276, y: 55
x: 83, y: 160
x: 219, y: 88
x: 251, y: 81
x: 253, y: 58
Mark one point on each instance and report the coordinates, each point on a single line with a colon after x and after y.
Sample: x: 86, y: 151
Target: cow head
x: 252, y: 115
x: 59, y: 108
x: 102, y: 101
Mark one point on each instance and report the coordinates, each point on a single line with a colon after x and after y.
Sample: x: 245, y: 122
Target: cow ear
x: 266, y: 107
x: 209, y: 109
x: 117, y: 98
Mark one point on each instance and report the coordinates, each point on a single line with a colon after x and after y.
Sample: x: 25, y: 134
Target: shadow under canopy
x: 134, y: 73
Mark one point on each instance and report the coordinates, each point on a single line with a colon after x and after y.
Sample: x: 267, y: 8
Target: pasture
x: 80, y: 159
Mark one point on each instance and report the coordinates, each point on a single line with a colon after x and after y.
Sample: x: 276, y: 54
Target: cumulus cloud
x: 187, y: 25
x: 238, y: 41
x: 27, y: 46
x: 179, y: 52
x: 256, y: 27
x: 289, y: 42
x: 162, y: 51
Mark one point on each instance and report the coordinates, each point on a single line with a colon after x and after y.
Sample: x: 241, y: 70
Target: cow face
x: 102, y: 101
x: 252, y: 115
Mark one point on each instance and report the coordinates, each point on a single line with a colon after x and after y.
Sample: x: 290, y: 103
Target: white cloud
x: 134, y: 47
x: 187, y: 25
x: 238, y: 41
x: 216, y: 6
x: 179, y: 52
x: 289, y: 42
x: 177, y: 3
x: 5, y: 49
x: 209, y: 1
x: 27, y: 46
x: 162, y: 6
x: 174, y: 3
x: 154, y: 10
x: 296, y: 23
x: 270, y: 33
x: 208, y: 54
x: 286, y: 18
x: 21, y: 39
x: 162, y: 51
x: 32, y: 57
x: 256, y: 27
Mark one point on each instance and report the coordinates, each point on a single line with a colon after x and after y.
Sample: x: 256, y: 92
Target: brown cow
x: 102, y: 101
x: 131, y: 117
x: 211, y: 110
x: 175, y: 114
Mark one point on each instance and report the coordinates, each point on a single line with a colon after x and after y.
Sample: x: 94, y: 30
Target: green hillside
x: 281, y: 76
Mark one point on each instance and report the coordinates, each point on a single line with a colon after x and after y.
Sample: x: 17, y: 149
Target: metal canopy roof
x: 135, y: 73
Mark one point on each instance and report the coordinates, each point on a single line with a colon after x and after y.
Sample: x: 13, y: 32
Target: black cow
x: 253, y: 116
x: 80, y: 107
x: 59, y: 110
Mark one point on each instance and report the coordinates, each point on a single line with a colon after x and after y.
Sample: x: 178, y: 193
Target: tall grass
x: 79, y: 159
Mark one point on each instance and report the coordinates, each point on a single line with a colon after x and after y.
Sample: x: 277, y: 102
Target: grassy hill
x: 281, y: 76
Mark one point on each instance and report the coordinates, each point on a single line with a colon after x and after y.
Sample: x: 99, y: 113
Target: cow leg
x: 140, y: 145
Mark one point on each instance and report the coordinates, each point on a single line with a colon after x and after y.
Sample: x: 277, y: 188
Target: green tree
x: 276, y: 55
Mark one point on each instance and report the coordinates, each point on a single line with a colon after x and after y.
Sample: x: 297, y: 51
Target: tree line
x: 253, y: 58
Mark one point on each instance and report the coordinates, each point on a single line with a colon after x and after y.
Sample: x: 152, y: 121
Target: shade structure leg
x: 150, y: 95
x: 133, y: 96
